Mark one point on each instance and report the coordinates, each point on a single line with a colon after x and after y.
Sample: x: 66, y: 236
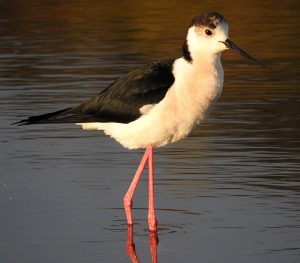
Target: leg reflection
x: 153, y: 242
x: 130, y: 246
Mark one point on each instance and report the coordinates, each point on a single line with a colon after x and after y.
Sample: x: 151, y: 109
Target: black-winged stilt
x: 160, y: 103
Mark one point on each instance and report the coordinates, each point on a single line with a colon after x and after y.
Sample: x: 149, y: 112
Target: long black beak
x: 237, y: 49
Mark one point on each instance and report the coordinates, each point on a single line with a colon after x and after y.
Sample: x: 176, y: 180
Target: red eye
x: 208, y: 32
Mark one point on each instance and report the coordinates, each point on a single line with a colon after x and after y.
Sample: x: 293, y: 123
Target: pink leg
x: 152, y: 221
x: 129, y: 195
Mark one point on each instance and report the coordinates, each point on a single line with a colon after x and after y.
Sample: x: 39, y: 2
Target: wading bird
x: 160, y: 103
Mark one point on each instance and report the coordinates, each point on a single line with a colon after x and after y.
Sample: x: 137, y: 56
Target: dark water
x: 228, y: 193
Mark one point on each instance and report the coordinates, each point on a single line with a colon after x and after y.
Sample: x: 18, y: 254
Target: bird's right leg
x: 129, y: 195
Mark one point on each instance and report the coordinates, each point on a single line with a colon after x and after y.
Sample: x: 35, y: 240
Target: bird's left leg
x: 129, y: 195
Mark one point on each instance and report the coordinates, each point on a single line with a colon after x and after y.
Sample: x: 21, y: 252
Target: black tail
x: 52, y: 117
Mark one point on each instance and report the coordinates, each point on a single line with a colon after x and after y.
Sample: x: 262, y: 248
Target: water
x: 228, y: 193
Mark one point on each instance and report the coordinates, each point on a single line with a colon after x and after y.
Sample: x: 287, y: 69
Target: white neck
x: 200, y: 82
x: 205, y: 69
x: 206, y: 60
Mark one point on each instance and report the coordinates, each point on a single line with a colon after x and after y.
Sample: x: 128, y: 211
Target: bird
x: 157, y: 104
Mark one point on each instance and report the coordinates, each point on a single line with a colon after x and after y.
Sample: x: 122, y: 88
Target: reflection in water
x: 153, y: 242
x: 130, y: 246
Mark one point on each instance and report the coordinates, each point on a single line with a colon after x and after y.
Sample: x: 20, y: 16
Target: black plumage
x: 119, y: 102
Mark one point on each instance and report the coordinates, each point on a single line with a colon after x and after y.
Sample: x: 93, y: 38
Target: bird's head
x: 208, y: 35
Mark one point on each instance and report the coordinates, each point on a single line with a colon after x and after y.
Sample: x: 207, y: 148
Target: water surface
x: 228, y: 193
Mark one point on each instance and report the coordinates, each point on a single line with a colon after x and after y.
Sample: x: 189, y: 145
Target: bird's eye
x: 208, y: 32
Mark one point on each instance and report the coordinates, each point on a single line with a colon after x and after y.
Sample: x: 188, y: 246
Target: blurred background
x: 230, y: 192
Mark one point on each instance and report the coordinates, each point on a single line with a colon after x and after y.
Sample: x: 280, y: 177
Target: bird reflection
x: 130, y: 246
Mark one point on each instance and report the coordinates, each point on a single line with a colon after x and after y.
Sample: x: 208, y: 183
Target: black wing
x: 120, y: 101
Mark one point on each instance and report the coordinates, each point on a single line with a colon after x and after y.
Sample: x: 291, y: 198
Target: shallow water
x: 228, y: 193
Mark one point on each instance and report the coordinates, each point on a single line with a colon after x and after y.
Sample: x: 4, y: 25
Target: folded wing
x: 119, y: 102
